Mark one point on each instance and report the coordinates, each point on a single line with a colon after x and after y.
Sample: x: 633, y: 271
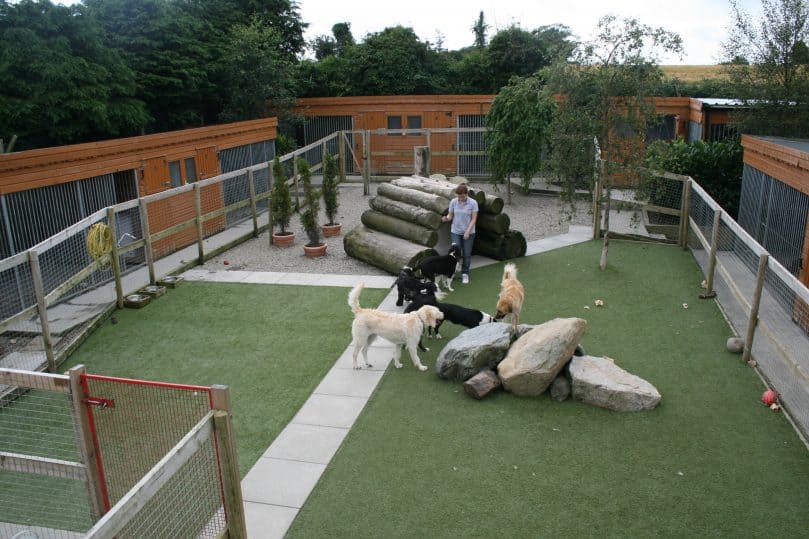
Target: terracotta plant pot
x: 331, y: 230
x: 283, y: 240
x: 315, y: 250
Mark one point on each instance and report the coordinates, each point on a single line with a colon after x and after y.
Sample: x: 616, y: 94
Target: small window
x: 413, y: 122
x: 394, y: 122
x: 190, y: 170
x: 175, y: 174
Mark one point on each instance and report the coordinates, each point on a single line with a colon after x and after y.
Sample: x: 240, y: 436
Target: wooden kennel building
x: 46, y: 190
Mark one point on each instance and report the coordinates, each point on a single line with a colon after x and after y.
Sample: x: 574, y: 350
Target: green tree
x: 395, y: 62
x: 258, y: 74
x: 774, y: 84
x: 518, y: 129
x: 606, y: 95
x: 515, y: 51
x: 163, y: 45
x: 717, y: 166
x: 480, y: 28
x: 61, y: 84
x: 343, y: 38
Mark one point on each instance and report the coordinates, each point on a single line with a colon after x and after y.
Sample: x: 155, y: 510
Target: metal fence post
x: 709, y: 291
x: 270, y: 186
x: 42, y: 308
x: 147, y: 238
x: 226, y: 441
x: 251, y: 188
x: 295, y: 180
x: 116, y: 262
x: 753, y: 321
x: 87, y: 448
x: 599, y: 169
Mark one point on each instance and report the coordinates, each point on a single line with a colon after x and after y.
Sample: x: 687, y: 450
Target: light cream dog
x: 400, y: 329
x: 512, y: 295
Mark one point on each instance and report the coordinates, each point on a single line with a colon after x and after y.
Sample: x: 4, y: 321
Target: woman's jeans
x: 466, y: 249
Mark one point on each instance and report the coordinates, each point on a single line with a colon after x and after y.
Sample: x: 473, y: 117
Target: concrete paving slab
x: 330, y: 411
x: 350, y: 382
x: 268, y: 521
x: 378, y: 356
x: 281, y: 482
x: 307, y: 443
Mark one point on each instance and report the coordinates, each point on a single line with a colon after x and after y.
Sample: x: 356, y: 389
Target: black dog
x: 408, y: 286
x: 463, y: 316
x: 444, y: 266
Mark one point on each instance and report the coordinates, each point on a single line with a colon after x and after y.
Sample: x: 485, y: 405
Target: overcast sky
x: 702, y: 24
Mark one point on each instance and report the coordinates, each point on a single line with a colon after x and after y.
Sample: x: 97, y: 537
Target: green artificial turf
x: 426, y: 460
x: 271, y: 344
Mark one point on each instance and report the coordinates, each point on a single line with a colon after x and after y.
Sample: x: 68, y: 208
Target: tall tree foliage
x: 61, y: 84
x: 480, y: 28
x: 257, y: 74
x: 607, y: 95
x: 774, y: 82
x: 165, y: 48
x: 395, y: 62
x: 519, y: 128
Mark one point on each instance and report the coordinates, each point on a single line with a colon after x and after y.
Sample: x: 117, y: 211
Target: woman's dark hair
x: 461, y: 189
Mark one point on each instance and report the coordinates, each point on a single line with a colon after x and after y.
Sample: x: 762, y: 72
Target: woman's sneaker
x: 465, y: 278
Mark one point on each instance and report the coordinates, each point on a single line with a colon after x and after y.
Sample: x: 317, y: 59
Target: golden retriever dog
x: 512, y: 295
x: 400, y: 329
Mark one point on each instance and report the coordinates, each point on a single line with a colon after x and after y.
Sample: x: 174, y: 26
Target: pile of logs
x: 404, y: 224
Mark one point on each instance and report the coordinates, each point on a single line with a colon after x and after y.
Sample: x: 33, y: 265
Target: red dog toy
x: 769, y: 397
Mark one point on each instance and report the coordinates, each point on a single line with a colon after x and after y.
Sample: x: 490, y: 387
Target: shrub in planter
x: 330, y: 191
x: 281, y: 201
x: 311, y: 202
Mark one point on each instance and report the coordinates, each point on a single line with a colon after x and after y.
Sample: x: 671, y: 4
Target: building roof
x: 802, y: 145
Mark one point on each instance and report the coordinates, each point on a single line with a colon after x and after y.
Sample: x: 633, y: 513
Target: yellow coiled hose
x: 99, y: 240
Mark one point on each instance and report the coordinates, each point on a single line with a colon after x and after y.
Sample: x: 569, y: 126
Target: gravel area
x: 536, y: 216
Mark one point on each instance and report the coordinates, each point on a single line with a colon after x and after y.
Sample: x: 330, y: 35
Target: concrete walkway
x: 278, y: 485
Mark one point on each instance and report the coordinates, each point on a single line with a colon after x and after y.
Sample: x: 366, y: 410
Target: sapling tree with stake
x: 607, y: 94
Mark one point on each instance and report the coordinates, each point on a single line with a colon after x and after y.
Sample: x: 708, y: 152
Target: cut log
x: 406, y: 212
x: 383, y: 250
x: 491, y: 204
x: 500, y: 246
x: 428, y: 201
x: 483, y: 383
x: 399, y: 228
x: 436, y: 187
x: 493, y: 224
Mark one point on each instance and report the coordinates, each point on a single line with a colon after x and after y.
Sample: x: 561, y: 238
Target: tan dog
x: 512, y: 295
x: 400, y: 329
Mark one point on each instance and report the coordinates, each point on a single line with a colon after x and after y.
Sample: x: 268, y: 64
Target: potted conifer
x: 311, y: 202
x: 330, y: 192
x: 281, y: 205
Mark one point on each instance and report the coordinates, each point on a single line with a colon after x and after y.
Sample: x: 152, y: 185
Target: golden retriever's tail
x: 509, y: 271
x: 354, y: 297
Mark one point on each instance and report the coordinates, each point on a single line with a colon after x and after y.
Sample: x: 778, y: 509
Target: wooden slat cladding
x: 49, y: 166
x: 788, y: 165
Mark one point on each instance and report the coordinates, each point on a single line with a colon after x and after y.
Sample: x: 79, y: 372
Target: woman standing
x: 463, y: 212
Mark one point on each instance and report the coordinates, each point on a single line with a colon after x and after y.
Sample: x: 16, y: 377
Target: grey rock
x: 560, y: 388
x: 735, y: 345
x: 536, y: 358
x: 473, y: 350
x: 598, y: 381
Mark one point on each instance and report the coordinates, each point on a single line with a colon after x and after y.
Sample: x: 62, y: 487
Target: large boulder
x: 534, y: 360
x: 600, y: 382
x: 473, y: 350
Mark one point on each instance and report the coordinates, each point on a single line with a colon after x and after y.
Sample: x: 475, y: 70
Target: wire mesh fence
x: 43, y: 489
